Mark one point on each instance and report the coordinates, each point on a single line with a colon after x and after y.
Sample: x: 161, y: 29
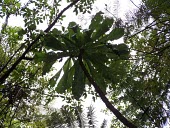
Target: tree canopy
x: 131, y: 77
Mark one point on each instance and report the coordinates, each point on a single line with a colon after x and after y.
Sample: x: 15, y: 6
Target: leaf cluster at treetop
x: 92, y: 43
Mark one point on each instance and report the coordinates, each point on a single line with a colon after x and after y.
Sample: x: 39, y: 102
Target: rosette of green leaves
x: 98, y: 54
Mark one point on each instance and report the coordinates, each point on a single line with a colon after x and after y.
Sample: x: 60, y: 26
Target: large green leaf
x: 56, y: 32
x: 102, y: 28
x: 49, y: 59
x: 123, y: 51
x: 39, y: 57
x: 54, y: 79
x: 115, y: 34
x: 96, y: 20
x: 105, y: 72
x: 75, y: 35
x: 87, y: 35
x: 66, y: 80
x: 97, y: 76
x: 98, y: 58
x: 78, y: 85
x: 52, y: 42
x: 74, y: 26
x: 67, y: 65
x: 70, y: 44
x: 100, y: 25
x: 47, y: 66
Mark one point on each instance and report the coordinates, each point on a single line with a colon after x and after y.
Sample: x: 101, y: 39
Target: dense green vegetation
x: 132, y: 78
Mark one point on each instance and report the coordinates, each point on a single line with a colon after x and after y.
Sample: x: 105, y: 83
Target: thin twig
x: 147, y: 27
x: 134, y: 4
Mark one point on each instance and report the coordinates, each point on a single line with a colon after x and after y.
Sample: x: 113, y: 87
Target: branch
x: 6, y: 22
x: 163, y: 49
x: 134, y: 4
x: 149, y: 26
x: 60, y: 14
x: 10, y: 124
x: 145, y: 111
x: 103, y: 97
x: 6, y: 75
x: 5, y: 66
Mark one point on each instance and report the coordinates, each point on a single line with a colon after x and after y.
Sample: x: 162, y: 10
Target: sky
x: 123, y: 7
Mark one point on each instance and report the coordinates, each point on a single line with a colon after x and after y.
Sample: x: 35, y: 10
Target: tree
x: 82, y: 49
x: 147, y: 85
x: 136, y: 83
x: 72, y: 117
x: 22, y: 86
x: 36, y: 47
